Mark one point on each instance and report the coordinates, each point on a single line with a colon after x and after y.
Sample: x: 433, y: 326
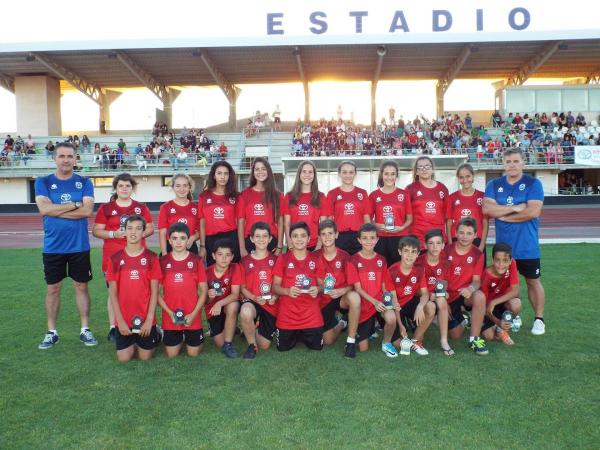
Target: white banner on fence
x: 588, y: 155
x: 30, y: 25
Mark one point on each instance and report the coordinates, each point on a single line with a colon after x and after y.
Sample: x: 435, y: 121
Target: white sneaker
x: 539, y: 327
x: 389, y: 350
x: 417, y: 347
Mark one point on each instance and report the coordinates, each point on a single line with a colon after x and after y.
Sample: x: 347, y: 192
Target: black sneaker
x: 112, y: 334
x: 229, y: 351
x: 250, y: 352
x: 350, y: 350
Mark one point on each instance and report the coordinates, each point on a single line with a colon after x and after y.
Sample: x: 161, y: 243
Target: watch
x: 78, y: 205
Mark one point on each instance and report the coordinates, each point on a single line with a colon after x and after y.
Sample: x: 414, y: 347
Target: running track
x: 558, y: 223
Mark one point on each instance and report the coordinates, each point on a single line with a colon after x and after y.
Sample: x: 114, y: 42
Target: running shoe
x: 417, y: 347
x: 50, y: 340
x: 539, y: 327
x: 88, y: 338
x: 478, y: 346
x: 389, y: 350
x: 504, y: 337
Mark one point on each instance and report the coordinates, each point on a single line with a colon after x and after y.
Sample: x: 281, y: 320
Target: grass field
x: 542, y: 393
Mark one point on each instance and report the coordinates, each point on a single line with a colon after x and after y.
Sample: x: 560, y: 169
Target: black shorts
x: 367, y: 328
x: 455, y: 316
x: 328, y: 313
x: 192, y: 338
x: 250, y: 247
x: 348, y: 240
x: 407, y: 313
x: 312, y: 338
x: 216, y: 324
x: 387, y: 246
x: 210, y: 241
x: 497, y: 312
x: 146, y: 343
x: 58, y: 266
x: 529, y: 268
x: 266, y: 320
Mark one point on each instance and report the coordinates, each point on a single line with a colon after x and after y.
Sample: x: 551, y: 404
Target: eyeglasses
x: 425, y: 167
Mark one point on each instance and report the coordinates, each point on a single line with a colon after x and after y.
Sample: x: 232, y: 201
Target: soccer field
x: 542, y: 393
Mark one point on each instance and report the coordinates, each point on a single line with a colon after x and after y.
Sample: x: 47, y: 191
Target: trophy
x: 405, y: 346
x: 179, y: 317
x: 328, y: 283
x: 304, y: 284
x: 389, y: 223
x: 507, y: 316
x: 265, y: 291
x: 136, y: 324
x: 388, y: 300
x: 516, y: 323
x: 217, y: 287
x: 440, y: 288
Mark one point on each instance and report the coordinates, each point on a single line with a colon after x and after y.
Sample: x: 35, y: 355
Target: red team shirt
x: 460, y: 206
x: 180, y: 281
x: 372, y: 275
x: 407, y: 286
x: 336, y: 267
x: 170, y: 213
x: 429, y: 209
x: 462, y: 268
x: 258, y: 271
x: 302, y: 312
x: 494, y: 287
x: 218, y: 211
x: 433, y: 273
x: 133, y: 275
x: 349, y: 208
x: 304, y: 211
x: 253, y: 208
x: 396, y: 204
x: 113, y: 217
x: 231, y: 277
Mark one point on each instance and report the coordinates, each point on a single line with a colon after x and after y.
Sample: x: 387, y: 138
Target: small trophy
x: 304, y: 284
x: 388, y: 300
x: 516, y: 323
x: 265, y: 291
x: 217, y: 287
x: 507, y: 316
x: 405, y: 346
x: 136, y: 324
x: 179, y: 317
x: 440, y: 288
x: 389, y: 223
x: 328, y: 283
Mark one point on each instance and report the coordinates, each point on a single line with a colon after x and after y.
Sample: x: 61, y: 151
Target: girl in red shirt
x: 429, y: 199
x: 109, y: 226
x: 217, y: 206
x: 465, y: 202
x: 181, y: 209
x: 392, y: 212
x: 350, y: 207
x: 260, y: 202
x: 305, y: 203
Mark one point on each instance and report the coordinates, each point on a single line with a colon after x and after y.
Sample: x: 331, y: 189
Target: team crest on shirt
x: 53, y: 186
x: 469, y: 260
x: 442, y: 194
x: 371, y: 276
x: 134, y: 275
x: 190, y: 265
x: 232, y: 200
x: 172, y: 211
x: 339, y: 197
x: 290, y: 265
x: 407, y: 290
x: 438, y: 272
x: 522, y: 187
x: 271, y: 262
x: 226, y: 281
x: 65, y: 198
x: 137, y: 210
x: 419, y: 193
x: 178, y: 278
x: 143, y: 261
x: 208, y: 201
x: 457, y: 270
x: 500, y: 189
x: 311, y: 265
x: 194, y: 212
x: 262, y: 275
x: 479, y: 201
x: 413, y: 279
x: 338, y: 264
x: 400, y: 197
x: 359, y: 195
x: 507, y: 274
x: 114, y: 212
x: 219, y: 213
x: 465, y: 212
x: 379, y: 263
x: 78, y: 185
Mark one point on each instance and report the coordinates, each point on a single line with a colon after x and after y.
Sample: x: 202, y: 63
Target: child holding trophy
x: 298, y: 280
x: 133, y: 275
x: 500, y: 286
x: 259, y: 302
x: 184, y: 293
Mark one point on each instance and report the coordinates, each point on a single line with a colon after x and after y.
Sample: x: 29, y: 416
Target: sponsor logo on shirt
x: 219, y: 213
x: 303, y: 209
x: 349, y: 209
x: 465, y: 212
x: 65, y: 198
x: 262, y: 275
x: 271, y: 262
x: 178, y: 278
x: 431, y: 280
x: 430, y: 207
x: 134, y: 275
x: 259, y: 209
x: 182, y: 220
x: 371, y: 276
x: 509, y: 200
x: 387, y: 210
x: 407, y: 290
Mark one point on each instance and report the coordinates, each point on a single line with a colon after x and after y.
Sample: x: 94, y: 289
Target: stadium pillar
x: 168, y: 107
x: 439, y: 100
x: 373, y: 104
x: 306, y: 102
x: 38, y: 106
x: 106, y: 99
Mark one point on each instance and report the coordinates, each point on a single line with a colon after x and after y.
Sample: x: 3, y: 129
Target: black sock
x: 540, y: 318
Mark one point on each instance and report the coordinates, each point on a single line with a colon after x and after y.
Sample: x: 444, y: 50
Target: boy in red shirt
x: 224, y: 281
x: 500, y: 286
x: 133, y: 275
x: 337, y: 294
x: 417, y: 311
x: 298, y: 280
x: 259, y: 302
x: 184, y: 293
x: 466, y: 263
x: 367, y: 272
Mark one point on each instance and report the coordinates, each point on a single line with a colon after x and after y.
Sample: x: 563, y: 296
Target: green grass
x: 542, y: 393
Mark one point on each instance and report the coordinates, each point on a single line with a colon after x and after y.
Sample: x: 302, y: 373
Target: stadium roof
x: 272, y: 64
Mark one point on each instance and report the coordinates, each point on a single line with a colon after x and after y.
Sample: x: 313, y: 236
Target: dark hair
x: 502, y: 247
x: 382, y: 167
x: 222, y: 243
x: 211, y: 183
x: 512, y: 151
x: 260, y: 226
x: 300, y: 225
x: 136, y: 218
x: 366, y: 228
x: 64, y: 144
x: 343, y: 163
x: 297, y: 187
x: 271, y: 194
x: 409, y: 240
x: 467, y: 166
x: 179, y: 227
x: 122, y: 177
x: 467, y: 222
x: 423, y: 158
x: 436, y: 232
x: 327, y: 223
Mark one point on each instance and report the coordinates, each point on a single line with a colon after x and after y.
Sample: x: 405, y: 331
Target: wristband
x: 111, y: 234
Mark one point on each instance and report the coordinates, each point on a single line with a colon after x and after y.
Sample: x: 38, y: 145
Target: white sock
x: 53, y: 332
x: 471, y: 339
x: 84, y: 329
x: 350, y: 340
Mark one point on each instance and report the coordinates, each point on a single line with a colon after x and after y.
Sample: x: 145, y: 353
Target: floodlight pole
x: 304, y: 81
x: 381, y: 52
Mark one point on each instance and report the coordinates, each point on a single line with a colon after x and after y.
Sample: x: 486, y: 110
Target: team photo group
x: 305, y: 267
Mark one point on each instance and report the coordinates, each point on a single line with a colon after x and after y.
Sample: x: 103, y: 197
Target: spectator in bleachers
x: 580, y: 120
x: 29, y: 143
x: 277, y: 118
x: 85, y: 143
x: 76, y: 143
x: 222, y: 151
x: 49, y: 149
x: 9, y: 141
